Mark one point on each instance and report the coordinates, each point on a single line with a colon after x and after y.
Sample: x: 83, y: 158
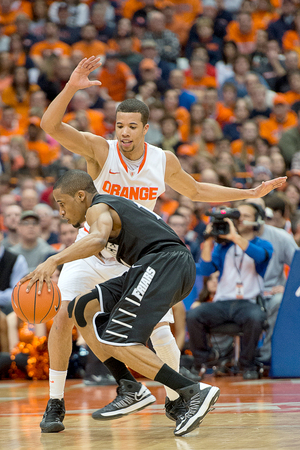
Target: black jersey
x: 143, y: 232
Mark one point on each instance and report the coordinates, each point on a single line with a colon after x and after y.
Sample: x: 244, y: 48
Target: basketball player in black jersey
x: 129, y: 306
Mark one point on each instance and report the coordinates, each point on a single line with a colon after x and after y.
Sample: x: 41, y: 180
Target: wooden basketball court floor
x: 261, y: 414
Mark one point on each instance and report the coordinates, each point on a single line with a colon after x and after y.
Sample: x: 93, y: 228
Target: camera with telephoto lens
x: 219, y: 225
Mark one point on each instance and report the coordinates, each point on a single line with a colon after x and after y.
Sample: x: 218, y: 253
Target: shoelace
x: 53, y: 409
x: 178, y: 407
x: 122, y: 399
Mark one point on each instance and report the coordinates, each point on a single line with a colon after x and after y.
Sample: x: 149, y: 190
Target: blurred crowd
x: 222, y: 82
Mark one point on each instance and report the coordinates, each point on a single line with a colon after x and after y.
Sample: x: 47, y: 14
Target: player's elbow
x: 99, y: 243
x: 49, y: 125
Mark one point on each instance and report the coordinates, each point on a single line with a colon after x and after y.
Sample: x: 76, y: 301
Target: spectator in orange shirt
x: 37, y: 142
x: 264, y: 14
x: 181, y: 114
x: 9, y: 126
x: 19, y: 56
x: 124, y: 28
x: 221, y: 111
x: 197, y: 117
x: 6, y: 66
x: 197, y: 81
x: 90, y: 45
x: 9, y: 13
x: 49, y: 46
x: 293, y: 95
x: 211, y: 133
x: 175, y: 22
x: 243, y: 33
x: 280, y: 120
x: 245, y: 148
x: 188, y: 10
x: 109, y: 112
x: 9, y: 123
x: 116, y: 78
x: 201, y: 53
x: 81, y: 102
x: 130, y: 7
x: 291, y: 38
x: 18, y: 94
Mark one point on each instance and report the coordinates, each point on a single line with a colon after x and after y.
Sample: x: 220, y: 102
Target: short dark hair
x: 132, y: 105
x: 73, y: 181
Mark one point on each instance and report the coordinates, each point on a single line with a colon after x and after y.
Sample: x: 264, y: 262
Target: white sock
x: 57, y: 381
x: 166, y: 349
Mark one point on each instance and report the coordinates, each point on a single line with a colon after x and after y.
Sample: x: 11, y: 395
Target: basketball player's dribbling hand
x: 79, y: 78
x: 42, y: 273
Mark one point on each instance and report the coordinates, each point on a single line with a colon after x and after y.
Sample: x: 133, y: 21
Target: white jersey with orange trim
x: 143, y: 185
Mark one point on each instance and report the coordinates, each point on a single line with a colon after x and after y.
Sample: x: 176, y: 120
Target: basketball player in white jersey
x: 130, y: 168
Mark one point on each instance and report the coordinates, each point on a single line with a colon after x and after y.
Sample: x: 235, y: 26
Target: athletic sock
x: 172, y: 379
x: 166, y: 349
x: 118, y: 370
x: 57, y: 381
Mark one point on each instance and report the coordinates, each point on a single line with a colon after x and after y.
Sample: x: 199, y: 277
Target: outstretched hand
x: 80, y: 74
x: 267, y: 186
x: 42, y: 273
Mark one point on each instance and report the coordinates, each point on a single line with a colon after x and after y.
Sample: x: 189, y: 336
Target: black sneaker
x: 132, y: 396
x: 53, y: 417
x: 99, y: 380
x: 199, y: 403
x: 175, y: 408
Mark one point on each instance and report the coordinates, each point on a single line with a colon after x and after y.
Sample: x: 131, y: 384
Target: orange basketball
x: 33, y: 308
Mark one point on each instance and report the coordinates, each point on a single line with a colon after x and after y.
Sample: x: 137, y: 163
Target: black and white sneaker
x: 199, y: 403
x: 175, y: 408
x: 53, y: 417
x: 132, y: 396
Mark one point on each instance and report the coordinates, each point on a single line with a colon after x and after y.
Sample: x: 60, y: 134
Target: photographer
x: 242, y: 259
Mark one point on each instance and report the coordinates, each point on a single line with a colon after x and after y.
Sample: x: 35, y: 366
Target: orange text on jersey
x: 133, y: 193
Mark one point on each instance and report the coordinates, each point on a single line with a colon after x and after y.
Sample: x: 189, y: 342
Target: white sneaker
x: 132, y: 396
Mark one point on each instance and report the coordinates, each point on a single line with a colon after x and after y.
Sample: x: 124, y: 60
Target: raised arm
x: 85, y: 144
x: 185, y: 184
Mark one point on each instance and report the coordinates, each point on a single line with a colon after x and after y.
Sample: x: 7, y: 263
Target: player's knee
x: 77, y: 307
x: 162, y: 336
x: 62, y: 318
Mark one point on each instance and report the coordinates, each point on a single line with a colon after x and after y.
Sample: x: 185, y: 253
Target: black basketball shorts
x: 135, y: 302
